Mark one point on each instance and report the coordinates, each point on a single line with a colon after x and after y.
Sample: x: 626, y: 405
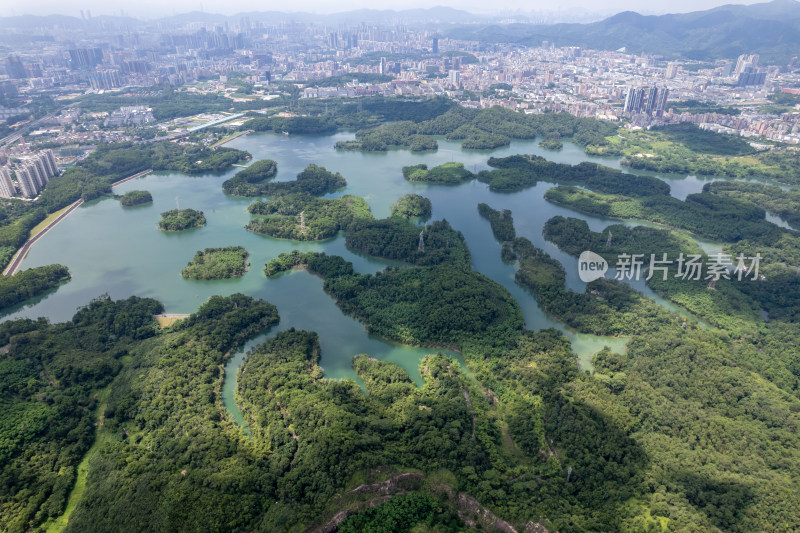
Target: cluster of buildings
x: 32, y: 175
x: 648, y: 100
x: 133, y: 115
x: 609, y: 85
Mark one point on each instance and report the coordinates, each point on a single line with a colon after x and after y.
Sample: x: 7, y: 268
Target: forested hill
x: 770, y: 29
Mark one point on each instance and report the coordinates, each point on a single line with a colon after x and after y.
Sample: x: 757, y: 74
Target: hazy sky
x: 156, y: 8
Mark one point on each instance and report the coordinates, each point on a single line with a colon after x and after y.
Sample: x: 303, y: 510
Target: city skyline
x: 148, y: 9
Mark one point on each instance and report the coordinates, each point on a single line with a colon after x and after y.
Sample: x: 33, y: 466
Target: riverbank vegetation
x: 181, y: 219
x: 30, y: 283
x: 217, y: 263
x: 776, y: 201
x: 685, y: 149
x: 132, y: 198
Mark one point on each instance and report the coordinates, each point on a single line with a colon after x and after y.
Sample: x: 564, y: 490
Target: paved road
x: 16, y: 261
x: 22, y: 252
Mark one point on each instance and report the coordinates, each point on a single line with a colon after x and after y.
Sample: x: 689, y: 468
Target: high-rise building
x: 34, y: 173
x: 27, y: 180
x: 648, y: 100
x: 455, y: 77
x: 744, y: 62
x: 435, y: 46
x: 50, y: 161
x: 661, y: 102
x: 382, y: 66
x: 85, y: 57
x: 14, y: 68
x: 672, y: 71
x: 751, y: 77
x: 7, y: 189
x: 105, y: 79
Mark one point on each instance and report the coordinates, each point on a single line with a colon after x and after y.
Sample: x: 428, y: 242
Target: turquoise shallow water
x: 120, y: 251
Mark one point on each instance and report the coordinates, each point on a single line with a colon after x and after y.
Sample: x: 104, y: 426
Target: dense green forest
x: 303, y: 217
x: 314, y: 180
x: 51, y: 375
x: 779, y: 202
x: 27, y: 284
x: 686, y: 149
x: 551, y: 143
x: 517, y: 172
x: 117, y: 425
x: 526, y: 437
x: 217, y: 263
x: 431, y: 244
x: 712, y: 216
x: 131, y: 198
x: 484, y: 129
x: 181, y: 219
x: 412, y: 206
x: 501, y: 221
x: 250, y: 181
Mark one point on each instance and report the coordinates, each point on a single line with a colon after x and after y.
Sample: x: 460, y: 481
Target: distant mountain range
x: 434, y: 15
x: 770, y: 29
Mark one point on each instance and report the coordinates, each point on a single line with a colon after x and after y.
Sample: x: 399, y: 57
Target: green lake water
x: 119, y: 251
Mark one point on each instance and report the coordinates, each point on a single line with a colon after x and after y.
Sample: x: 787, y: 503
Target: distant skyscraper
x: 14, y: 68
x: 744, y: 62
x: 648, y: 100
x: 6, y: 186
x: 34, y: 173
x: 27, y: 180
x: 455, y: 77
x: 105, y: 79
x: 751, y: 77
x: 661, y: 102
x: 672, y: 71
x: 382, y: 66
x: 435, y: 46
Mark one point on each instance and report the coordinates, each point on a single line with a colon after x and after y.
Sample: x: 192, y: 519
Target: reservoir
x: 119, y: 251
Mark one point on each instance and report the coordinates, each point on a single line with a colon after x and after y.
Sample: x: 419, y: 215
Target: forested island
x: 412, y: 206
x: 217, y: 263
x: 181, y: 219
x: 132, y: 198
x: 303, y: 217
x: 451, y: 173
x: 551, y: 143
